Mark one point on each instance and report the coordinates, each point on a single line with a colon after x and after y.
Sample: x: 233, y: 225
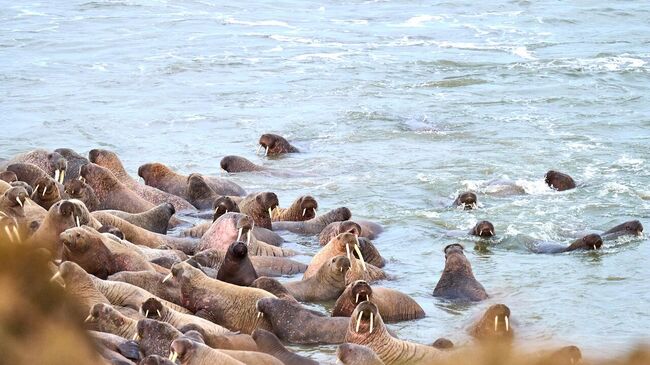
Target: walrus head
x: 58, y: 164
x: 237, y: 250
x: 274, y: 144
x: 46, y: 192
x: 339, y: 266
x: 467, y: 200
x: 107, y: 318
x: 8, y: 176
x: 197, y: 188
x: 365, y: 324
x: 348, y: 244
x: 559, y: 181
x: 78, y: 189
x: 152, y: 172
x: 24, y: 185
x: 107, y: 159
x: 592, y: 241
x: 494, y: 324
x: 155, y: 336
x: 183, y: 349
x: 634, y: 228
x: 152, y: 308
x: 308, y: 206
x: 567, y: 355
x: 244, y: 227
x: 85, y: 246
x: 267, y: 201
x: 12, y: 202
x: 112, y: 230
x: 222, y: 206
x: 351, y: 353
x: 443, y: 344
x: 360, y: 292
x: 237, y: 164
x: 483, y: 229
x: 99, y: 178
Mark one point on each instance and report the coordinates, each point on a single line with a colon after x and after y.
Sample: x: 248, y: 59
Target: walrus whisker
x: 358, y: 250
x: 239, y: 235
x: 358, y: 321
x: 507, y: 324
x: 167, y: 277
x: 19, y: 202
x: 56, y: 174
x: 371, y: 321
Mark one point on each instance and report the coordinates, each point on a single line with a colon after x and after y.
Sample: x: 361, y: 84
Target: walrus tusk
x: 136, y: 336
x: 11, y: 238
x: 158, y: 311
x: 248, y: 238
x: 77, y: 220
x: 257, y: 151
x: 44, y: 190
x: 55, y: 276
x: 260, y: 314
x: 358, y: 250
x: 62, y: 176
x: 358, y: 321
x: 267, y: 151
x: 492, y: 232
x: 347, y: 250
x: 496, y: 323
x: 146, y: 314
x: 270, y: 213
x: 173, y: 356
x: 371, y: 321
x: 90, y: 316
x: 303, y: 212
x: 15, y: 229
x: 57, y: 173
x: 19, y: 202
x: 36, y: 188
x: 167, y: 277
x: 507, y: 324
x: 356, y: 301
x: 239, y: 235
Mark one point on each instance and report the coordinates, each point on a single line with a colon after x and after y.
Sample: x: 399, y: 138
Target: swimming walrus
x: 483, y: 229
x: 302, y: 209
x: 632, y: 228
x: 494, y: 325
x: 343, y: 244
x: 353, y: 354
x: 559, y: 181
x: 327, y: 284
x: 466, y: 200
x: 457, y: 281
x: 259, y: 206
x: 273, y: 144
x: 588, y: 242
x: 200, y: 194
x: 110, y: 320
x: 274, y: 287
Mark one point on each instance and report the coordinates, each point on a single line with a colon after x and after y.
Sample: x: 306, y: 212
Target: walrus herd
x: 159, y: 290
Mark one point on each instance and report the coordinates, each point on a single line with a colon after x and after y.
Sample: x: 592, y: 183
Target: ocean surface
x: 397, y: 106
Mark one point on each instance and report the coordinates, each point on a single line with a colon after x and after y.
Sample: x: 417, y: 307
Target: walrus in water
x: 370, y: 253
x: 395, y: 306
x: 237, y: 268
x: 559, y: 181
x: 274, y: 287
x: 155, y: 219
x: 483, y: 229
x: 457, y: 280
x: 75, y: 161
x: 269, y: 343
x: 77, y: 189
x: 327, y: 284
x: 61, y: 216
x: 443, y: 344
x: 223, y: 303
x: 154, y: 309
x: 8, y: 176
x: 302, y: 209
x: 343, y: 244
x: 315, y: 225
x: 366, y: 327
x: 46, y: 192
x: 199, y: 193
x: 494, y: 325
x: 632, y: 228
x: 353, y: 354
x: 52, y: 163
x: 240, y: 164
x: 466, y: 200
x: 275, y: 145
x: 259, y: 206
x: 162, y: 177
x: 294, y: 323
x: 588, y: 242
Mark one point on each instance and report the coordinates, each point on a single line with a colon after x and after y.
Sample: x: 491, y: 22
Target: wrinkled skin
x: 28, y: 173
x: 273, y: 144
x: 155, y: 219
x: 559, y: 181
x: 194, y: 353
x: 107, y: 319
x: 327, y: 284
x: 352, y: 354
x: 152, y: 282
x: 127, y: 348
x: 110, y: 192
x: 49, y: 162
x: 274, y: 287
x: 268, y: 343
x: 466, y: 200
x: 46, y: 192
x: 156, y: 360
x: 494, y: 325
x: 457, y: 281
x: 77, y: 189
x: 199, y: 193
x: 80, y: 286
x: 8, y: 176
x: 483, y: 229
x: 335, y: 228
x: 155, y: 337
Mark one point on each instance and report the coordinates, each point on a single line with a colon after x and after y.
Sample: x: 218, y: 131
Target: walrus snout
x: 112, y: 230
x: 365, y: 317
x: 483, y: 229
x: 361, y: 291
x: 494, y: 324
x: 152, y: 308
x: 593, y: 241
x: 467, y: 200
x: 181, y: 349
x: 16, y: 196
x: 238, y: 249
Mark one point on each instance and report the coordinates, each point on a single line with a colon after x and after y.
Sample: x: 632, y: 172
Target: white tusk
x: 239, y: 235
x: 173, y: 356
x: 371, y: 321
x: 56, y: 174
x: 44, y: 190
x: 11, y: 238
x: 270, y: 213
x: 167, y: 277
x: 347, y: 249
x: 507, y: 324
x: 36, y: 188
x: 260, y: 314
x: 56, y: 276
x: 90, y: 316
x: 358, y: 321
x: 492, y: 232
x: 19, y: 202
x: 267, y: 151
x: 226, y: 211
x: 146, y: 314
x: 77, y: 220
x: 363, y: 263
x: 15, y: 229
x: 304, y: 211
x: 496, y: 323
x: 356, y: 301
x: 135, y: 336
x: 248, y: 238
x: 62, y: 176
x: 257, y: 151
x: 158, y: 311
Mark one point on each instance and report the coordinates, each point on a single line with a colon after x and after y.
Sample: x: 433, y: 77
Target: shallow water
x: 398, y: 106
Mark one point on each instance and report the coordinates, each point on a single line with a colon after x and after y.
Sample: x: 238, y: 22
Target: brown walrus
x: 156, y: 360
x: 274, y: 144
x: 367, y: 328
x: 239, y: 341
x: 314, y: 225
x: 457, y: 280
x: 264, y: 265
x: 14, y: 223
x: 269, y: 343
x: 162, y: 177
x: 327, y: 284
x: 79, y: 285
x: 353, y: 354
x: 52, y: 163
x: 110, y: 161
x: 559, y: 181
x: 8, y: 176
x: 259, y: 206
x: 223, y: 303
x: 588, y: 242
x: 343, y: 244
x: 126, y: 348
x: 199, y: 193
x: 155, y: 337
x: 154, y: 309
x: 335, y: 228
x: 294, y: 323
x: 189, y: 352
x: 155, y: 219
x: 110, y: 320
x: 359, y: 270
x: 77, y: 189
x: 632, y: 228
x: 74, y: 160
x: 63, y: 215
x: 151, y: 281
x: 302, y: 209
x: 395, y: 306
x: 245, y: 356
x: 46, y: 192
x: 28, y: 172
x: 274, y: 287
x: 237, y: 267
x: 443, y: 344
x: 466, y: 200
x: 483, y: 229
x: 494, y: 325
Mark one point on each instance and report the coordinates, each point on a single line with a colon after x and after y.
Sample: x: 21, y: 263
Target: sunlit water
x: 398, y: 106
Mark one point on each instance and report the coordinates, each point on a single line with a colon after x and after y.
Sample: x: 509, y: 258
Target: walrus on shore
x: 240, y: 164
x: 240, y: 341
x: 366, y: 327
x: 110, y: 161
x: 494, y: 325
x: 79, y: 285
x: 457, y: 280
x: 588, y: 242
x: 274, y: 287
x: 483, y: 229
x: 8, y: 176
x: 259, y: 206
x: 61, y: 216
x: 189, y: 352
x: 315, y: 225
x: 353, y: 354
x: 632, y: 228
x: 154, y: 337
x: 559, y: 181
x: 273, y: 144
x: 466, y: 200
x: 151, y: 281
x: 110, y: 320
x: 223, y: 303
x: 12, y: 203
x: 154, y: 309
x: 269, y: 343
x: 77, y: 189
x: 394, y: 305
x: 327, y: 284
x: 155, y: 219
x: 75, y: 161
x: 294, y: 323
x: 52, y: 163
x: 159, y: 176
x: 302, y: 209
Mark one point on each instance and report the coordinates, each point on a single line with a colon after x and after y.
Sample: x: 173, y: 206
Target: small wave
x: 350, y: 21
x: 261, y: 23
x: 313, y: 56
x: 418, y: 21
x: 448, y: 83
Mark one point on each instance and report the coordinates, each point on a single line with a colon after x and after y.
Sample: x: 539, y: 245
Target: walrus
x: 240, y: 164
x: 327, y: 284
x: 156, y: 360
x: 79, y: 285
x: 483, y: 229
x: 366, y: 327
x: 162, y: 177
x: 457, y: 280
x: 559, y: 181
x: 232, y: 227
x: 360, y: 270
x: 245, y: 356
x: 237, y: 267
x: 588, y: 242
x: 127, y: 348
x: 294, y: 323
x: 61, y: 216
x: 151, y: 281
x: 632, y: 228
x: 274, y: 144
x: 46, y: 192
x: 8, y: 176
x: 223, y: 303
x: 220, y: 206
x: 155, y: 337
x: 274, y: 287
x: 335, y: 228
x: 110, y: 320
x: 302, y: 209
x: 189, y: 352
x: 466, y: 200
x: 315, y: 225
x: 494, y: 325
x: 343, y: 244
x: 394, y: 305
x: 110, y: 161
x: 239, y: 341
x: 78, y: 189
x: 264, y: 265
x: 155, y: 219
x: 154, y: 309
x: 100, y: 255
x: 567, y: 355
x: 353, y: 354
x: 75, y: 161
x: 52, y: 163
x: 199, y: 193
x: 443, y: 344
x: 259, y: 206
x: 28, y: 173
x: 269, y: 343
x: 12, y: 203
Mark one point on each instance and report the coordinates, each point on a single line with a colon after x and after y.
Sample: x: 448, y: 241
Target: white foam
x: 261, y: 23
x: 312, y: 56
x: 523, y: 52
x: 418, y: 21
